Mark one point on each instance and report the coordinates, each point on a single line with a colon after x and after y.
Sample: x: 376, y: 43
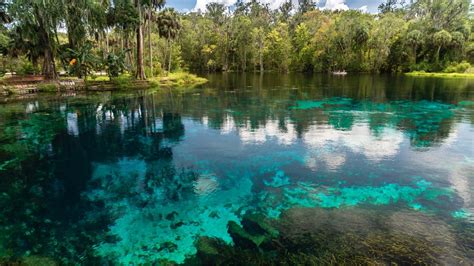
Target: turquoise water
x: 246, y: 170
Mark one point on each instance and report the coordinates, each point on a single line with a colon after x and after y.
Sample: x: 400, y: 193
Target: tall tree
x: 140, y: 71
x: 124, y: 17
x: 151, y: 6
x: 388, y: 6
x: 414, y: 40
x: 169, y: 25
x: 44, y: 16
x: 306, y: 5
x: 441, y: 39
x: 285, y: 10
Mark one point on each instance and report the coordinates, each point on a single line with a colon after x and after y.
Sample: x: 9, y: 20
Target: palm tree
x: 151, y: 6
x: 141, y: 5
x: 140, y: 74
x: 441, y: 39
x: 415, y: 39
x: 169, y: 25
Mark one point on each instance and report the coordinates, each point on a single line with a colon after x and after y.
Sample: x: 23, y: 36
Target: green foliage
x: 422, y: 66
x: 122, y: 81
x: 115, y: 64
x: 123, y: 15
x: 303, y: 49
x: 82, y: 61
x: 442, y: 38
x: 27, y: 68
x: 457, y: 67
x: 48, y: 87
x: 169, y: 26
x: 422, y: 35
x: 470, y: 53
x: 278, y: 48
x: 180, y: 79
x: 440, y: 74
x: 398, y: 39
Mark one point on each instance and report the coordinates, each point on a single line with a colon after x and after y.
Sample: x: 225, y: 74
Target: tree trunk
x: 49, y: 67
x: 140, y: 69
x: 34, y: 62
x: 414, y: 53
x: 437, y: 53
x: 128, y: 56
x: 261, y: 59
x: 106, y: 42
x: 171, y: 51
x: 149, y: 43
x: 245, y: 60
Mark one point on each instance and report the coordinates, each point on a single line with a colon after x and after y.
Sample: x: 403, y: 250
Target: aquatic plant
x: 150, y: 226
x: 310, y: 195
x: 329, y: 102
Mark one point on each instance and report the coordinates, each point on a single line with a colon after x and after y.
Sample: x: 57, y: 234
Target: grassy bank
x: 33, y: 84
x: 179, y: 79
x: 439, y: 74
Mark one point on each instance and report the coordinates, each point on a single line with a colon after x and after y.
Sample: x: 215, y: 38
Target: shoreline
x: 24, y: 85
x: 439, y: 74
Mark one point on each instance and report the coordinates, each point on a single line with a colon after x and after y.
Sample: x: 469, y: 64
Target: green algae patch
x: 466, y: 103
x: 318, y: 104
x: 168, y: 229
x: 306, y: 195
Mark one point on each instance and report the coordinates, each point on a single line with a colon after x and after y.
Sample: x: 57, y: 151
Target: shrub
x: 115, y: 64
x: 422, y: 66
x: 26, y: 68
x: 156, y: 70
x: 47, y: 87
x: 457, y: 67
x: 82, y: 61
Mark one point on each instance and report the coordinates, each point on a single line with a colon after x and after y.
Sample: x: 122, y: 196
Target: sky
x: 365, y: 5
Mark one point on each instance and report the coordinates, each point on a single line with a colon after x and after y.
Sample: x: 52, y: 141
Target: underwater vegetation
x: 149, y: 225
x: 316, y: 236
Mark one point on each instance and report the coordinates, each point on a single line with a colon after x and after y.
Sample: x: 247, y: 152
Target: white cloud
x: 267, y: 132
x: 201, y: 4
x: 359, y: 139
x: 336, y: 5
x: 363, y: 9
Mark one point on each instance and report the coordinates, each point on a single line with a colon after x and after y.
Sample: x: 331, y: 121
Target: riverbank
x: 179, y: 79
x: 176, y: 79
x: 35, y: 84
x: 440, y: 74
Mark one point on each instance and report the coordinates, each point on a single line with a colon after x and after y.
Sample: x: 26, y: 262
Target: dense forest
x: 145, y: 38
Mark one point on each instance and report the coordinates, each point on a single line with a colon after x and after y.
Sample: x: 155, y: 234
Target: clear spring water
x: 362, y: 169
